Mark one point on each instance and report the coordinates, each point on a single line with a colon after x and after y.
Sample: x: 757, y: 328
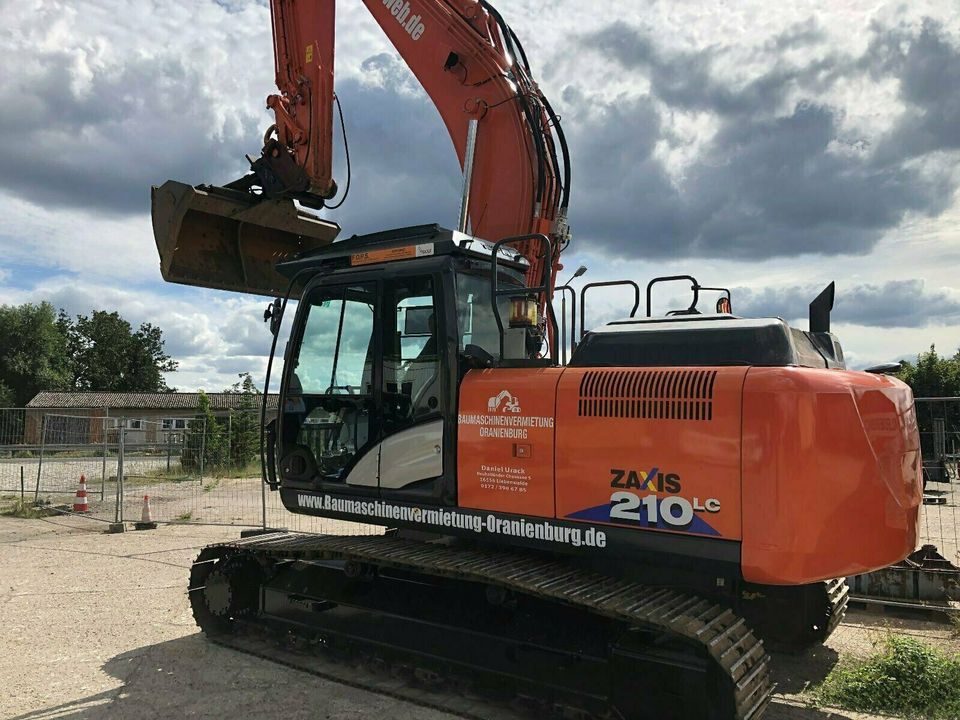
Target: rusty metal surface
x: 230, y: 240
x: 925, y: 575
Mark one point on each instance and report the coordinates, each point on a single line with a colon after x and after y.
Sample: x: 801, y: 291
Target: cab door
x: 330, y: 414
x: 414, y: 364
x: 364, y: 405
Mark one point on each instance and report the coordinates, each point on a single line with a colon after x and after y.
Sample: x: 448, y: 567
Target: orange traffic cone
x: 146, y: 519
x: 80, y: 503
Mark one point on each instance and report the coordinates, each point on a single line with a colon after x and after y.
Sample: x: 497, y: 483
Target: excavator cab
x: 386, y: 327
x: 229, y: 239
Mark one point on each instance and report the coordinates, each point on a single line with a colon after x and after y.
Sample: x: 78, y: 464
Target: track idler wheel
x: 224, y: 591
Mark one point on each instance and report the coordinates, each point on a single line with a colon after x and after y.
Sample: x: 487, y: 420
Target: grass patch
x: 152, y: 477
x: 177, y: 474
x: 212, y: 485
x: 250, y: 469
x: 72, y: 454
x: 23, y: 508
x: 183, y: 517
x: 904, y: 676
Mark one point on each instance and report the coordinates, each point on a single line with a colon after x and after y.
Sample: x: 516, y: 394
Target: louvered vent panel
x: 648, y: 394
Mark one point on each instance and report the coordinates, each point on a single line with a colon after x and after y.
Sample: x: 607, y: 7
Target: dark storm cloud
x: 774, y: 180
x: 779, y: 177
x: 688, y: 80
x: 101, y: 148
x: 149, y: 121
x: 899, y: 303
x: 405, y: 169
x: 801, y: 34
x: 927, y: 66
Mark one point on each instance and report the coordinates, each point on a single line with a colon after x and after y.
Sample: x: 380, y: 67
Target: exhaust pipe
x: 215, y: 237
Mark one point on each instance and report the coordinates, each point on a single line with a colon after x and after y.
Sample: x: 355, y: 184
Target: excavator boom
x: 472, y: 66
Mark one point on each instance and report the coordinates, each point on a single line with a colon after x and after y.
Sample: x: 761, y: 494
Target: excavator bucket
x: 226, y: 239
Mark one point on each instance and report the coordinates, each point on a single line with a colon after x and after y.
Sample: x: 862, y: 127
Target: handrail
x: 695, y: 286
x: 563, y: 289
x: 497, y: 292
x: 606, y: 283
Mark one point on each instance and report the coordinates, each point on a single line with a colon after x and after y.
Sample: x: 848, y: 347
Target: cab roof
x: 422, y: 240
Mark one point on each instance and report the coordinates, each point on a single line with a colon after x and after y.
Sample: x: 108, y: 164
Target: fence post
x: 43, y: 441
x: 263, y: 502
x: 21, y: 483
x: 169, y: 434
x: 203, y: 448
x: 106, y: 451
x: 118, y: 514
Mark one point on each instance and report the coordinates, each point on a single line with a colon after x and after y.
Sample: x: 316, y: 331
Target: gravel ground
x: 98, y: 626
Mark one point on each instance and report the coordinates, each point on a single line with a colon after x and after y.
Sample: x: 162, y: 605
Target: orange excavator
x: 625, y: 532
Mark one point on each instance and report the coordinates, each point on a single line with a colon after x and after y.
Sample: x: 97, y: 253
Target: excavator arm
x: 471, y: 65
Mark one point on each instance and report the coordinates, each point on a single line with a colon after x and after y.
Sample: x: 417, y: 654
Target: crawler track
x: 795, y: 619
x: 227, y: 580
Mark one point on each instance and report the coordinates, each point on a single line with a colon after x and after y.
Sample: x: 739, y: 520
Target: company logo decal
x: 652, y: 499
x: 505, y: 402
x: 504, y: 419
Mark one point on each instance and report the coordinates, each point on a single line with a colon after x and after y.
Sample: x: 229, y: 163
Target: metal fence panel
x: 17, y: 455
x: 74, y: 446
x: 939, y: 421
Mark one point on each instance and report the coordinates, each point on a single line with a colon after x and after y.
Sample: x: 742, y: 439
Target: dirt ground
x: 98, y: 626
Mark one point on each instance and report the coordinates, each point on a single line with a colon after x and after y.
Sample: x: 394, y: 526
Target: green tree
x: 244, y: 424
x: 206, y: 439
x: 6, y: 396
x: 933, y: 375
x: 108, y: 354
x: 33, y: 353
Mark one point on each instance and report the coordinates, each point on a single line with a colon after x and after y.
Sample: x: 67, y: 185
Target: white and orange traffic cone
x: 146, y: 518
x: 80, y: 502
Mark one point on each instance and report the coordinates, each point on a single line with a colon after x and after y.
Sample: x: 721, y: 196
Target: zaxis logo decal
x: 660, y: 506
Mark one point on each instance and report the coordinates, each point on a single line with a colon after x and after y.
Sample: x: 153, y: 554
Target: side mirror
x: 274, y: 314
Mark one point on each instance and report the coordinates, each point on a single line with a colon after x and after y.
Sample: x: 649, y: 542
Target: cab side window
x: 412, y: 357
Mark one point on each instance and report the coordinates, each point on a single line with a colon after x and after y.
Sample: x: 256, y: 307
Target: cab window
x: 476, y: 321
x: 412, y: 358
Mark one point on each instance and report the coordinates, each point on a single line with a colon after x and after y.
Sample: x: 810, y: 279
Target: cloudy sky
x: 770, y: 151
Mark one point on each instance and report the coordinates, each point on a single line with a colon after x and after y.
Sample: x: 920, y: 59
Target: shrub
x: 905, y: 676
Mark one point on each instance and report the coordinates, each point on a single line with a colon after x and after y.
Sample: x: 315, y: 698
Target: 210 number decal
x: 672, y: 510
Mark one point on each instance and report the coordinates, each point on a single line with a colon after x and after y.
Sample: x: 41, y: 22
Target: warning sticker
x: 406, y: 252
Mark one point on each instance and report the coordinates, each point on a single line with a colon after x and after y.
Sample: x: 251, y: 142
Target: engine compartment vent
x: 648, y: 394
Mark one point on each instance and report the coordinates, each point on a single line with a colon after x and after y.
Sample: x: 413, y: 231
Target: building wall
x: 88, y: 425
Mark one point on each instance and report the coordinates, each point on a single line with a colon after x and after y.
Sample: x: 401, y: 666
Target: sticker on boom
x: 413, y: 25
